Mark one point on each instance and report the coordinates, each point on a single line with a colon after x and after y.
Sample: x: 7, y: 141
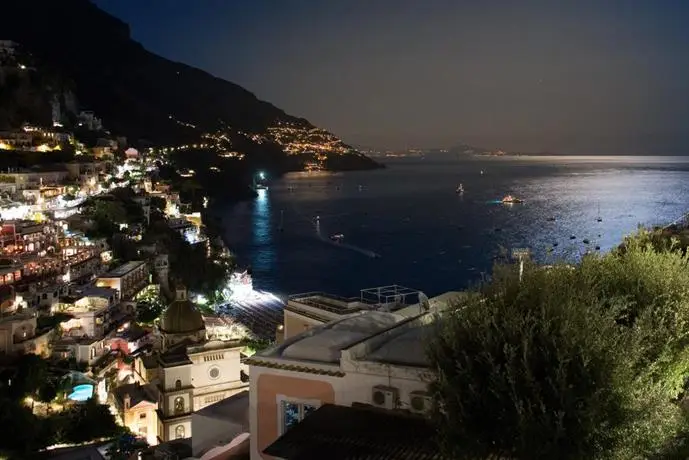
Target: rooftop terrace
x: 372, y: 336
x: 391, y: 298
x: 123, y: 269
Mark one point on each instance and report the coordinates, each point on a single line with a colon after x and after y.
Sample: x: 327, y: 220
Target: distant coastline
x: 434, y: 153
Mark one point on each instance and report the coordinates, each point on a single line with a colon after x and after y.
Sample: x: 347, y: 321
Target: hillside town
x: 95, y: 253
x: 125, y: 324
x: 132, y: 186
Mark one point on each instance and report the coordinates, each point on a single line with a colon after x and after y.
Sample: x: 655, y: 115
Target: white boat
x: 337, y: 237
x: 511, y: 199
x: 460, y: 188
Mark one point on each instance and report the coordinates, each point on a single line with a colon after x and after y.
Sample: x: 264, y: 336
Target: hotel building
x: 371, y: 357
x: 128, y: 279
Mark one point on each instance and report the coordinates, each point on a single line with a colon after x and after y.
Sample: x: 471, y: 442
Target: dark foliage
x: 571, y: 362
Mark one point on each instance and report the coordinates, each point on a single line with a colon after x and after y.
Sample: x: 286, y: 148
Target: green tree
x: 147, y: 312
x: 125, y: 446
x: 47, y: 391
x: 569, y: 363
x: 22, y: 432
x: 31, y: 374
x: 89, y: 421
x: 106, y: 216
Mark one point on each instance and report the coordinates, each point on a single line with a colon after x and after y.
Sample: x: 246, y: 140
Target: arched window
x: 178, y: 384
x: 179, y: 432
x: 179, y: 405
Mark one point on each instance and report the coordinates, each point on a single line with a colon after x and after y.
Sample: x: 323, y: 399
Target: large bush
x: 572, y: 362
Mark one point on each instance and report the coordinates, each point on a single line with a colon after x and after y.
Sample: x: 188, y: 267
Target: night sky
x: 596, y: 76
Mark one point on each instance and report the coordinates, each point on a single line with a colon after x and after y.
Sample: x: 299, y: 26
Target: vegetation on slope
x: 588, y: 361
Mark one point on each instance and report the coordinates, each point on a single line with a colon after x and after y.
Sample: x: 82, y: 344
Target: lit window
x: 179, y: 405
x: 293, y: 413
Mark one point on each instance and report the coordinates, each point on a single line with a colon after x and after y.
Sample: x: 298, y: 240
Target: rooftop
x: 349, y: 433
x: 175, y: 356
x: 324, y: 344
x: 214, y: 345
x: 440, y: 302
x: 123, y: 269
x: 373, y: 337
x: 405, y: 349
x: 16, y: 317
x: 391, y: 298
x: 132, y: 333
x: 137, y: 393
x: 234, y: 408
x: 96, y: 291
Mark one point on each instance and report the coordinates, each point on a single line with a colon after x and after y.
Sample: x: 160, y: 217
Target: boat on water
x: 460, y: 188
x: 337, y: 237
x: 511, y: 199
x: 261, y: 187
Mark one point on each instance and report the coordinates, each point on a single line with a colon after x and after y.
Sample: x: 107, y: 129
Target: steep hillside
x: 137, y: 93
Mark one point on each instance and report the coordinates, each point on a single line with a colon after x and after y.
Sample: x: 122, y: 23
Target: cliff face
x: 135, y: 92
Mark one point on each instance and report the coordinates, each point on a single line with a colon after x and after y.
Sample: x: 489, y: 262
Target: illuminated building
x: 44, y: 295
x: 18, y: 140
x: 33, y: 179
x: 26, y: 237
x: 367, y: 350
x: 10, y: 272
x: 19, y: 332
x: 87, y: 350
x: 128, y: 279
x: 91, y: 309
x: 373, y: 358
x: 304, y: 311
x: 85, y: 171
x: 191, y: 372
x: 83, y: 265
x: 137, y: 406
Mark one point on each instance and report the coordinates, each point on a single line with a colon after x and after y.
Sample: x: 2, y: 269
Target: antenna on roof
x: 424, y: 304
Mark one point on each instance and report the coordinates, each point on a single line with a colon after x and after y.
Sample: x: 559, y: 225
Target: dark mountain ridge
x: 154, y: 101
x: 137, y: 93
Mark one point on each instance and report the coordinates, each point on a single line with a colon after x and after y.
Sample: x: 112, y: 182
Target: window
x: 214, y: 373
x: 179, y: 405
x: 179, y: 432
x: 178, y: 385
x: 294, y: 412
x: 142, y: 416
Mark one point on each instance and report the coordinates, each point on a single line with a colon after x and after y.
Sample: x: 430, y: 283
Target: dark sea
x: 407, y: 225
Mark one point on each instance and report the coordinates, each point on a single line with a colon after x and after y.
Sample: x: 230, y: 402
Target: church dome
x: 181, y: 316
